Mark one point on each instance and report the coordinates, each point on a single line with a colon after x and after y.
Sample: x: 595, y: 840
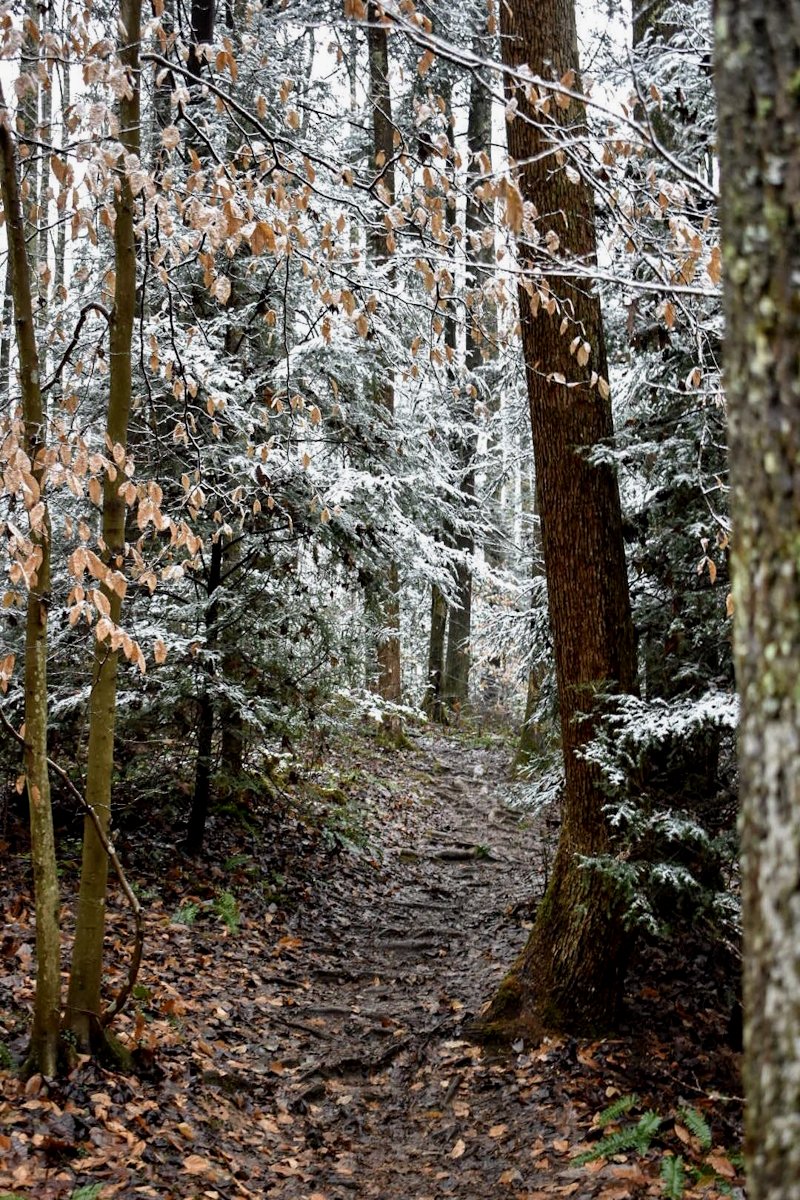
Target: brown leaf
x: 458, y: 1149
x: 721, y: 1164
x: 195, y: 1164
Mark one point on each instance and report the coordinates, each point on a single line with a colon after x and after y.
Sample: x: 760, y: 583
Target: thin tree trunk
x: 43, y: 198
x: 569, y: 976
x: 457, y: 666
x: 432, y: 700
x: 389, y: 683
x: 6, y: 337
x: 232, y: 731
x: 43, y: 1053
x: 27, y: 124
x: 757, y: 52
x: 202, y: 19
x: 201, y: 799
x: 83, y: 1001
x: 59, y: 272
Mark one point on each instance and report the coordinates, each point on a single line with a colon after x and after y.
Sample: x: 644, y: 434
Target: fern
x: 649, y: 1125
x: 673, y: 1177
x: 633, y: 1137
x: 697, y: 1125
x: 616, y: 1110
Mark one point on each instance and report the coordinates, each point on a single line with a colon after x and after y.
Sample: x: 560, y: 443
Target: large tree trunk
x: 389, y: 682
x: 569, y: 976
x: 43, y: 1053
x: 83, y: 1000
x: 757, y: 52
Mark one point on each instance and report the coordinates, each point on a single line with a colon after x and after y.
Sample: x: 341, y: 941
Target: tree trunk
x: 389, y: 683
x: 6, y: 336
x: 432, y: 700
x: 569, y: 975
x: 757, y: 51
x: 83, y: 1000
x: 201, y: 799
x: 43, y: 1052
x: 479, y: 140
x: 532, y: 738
x: 231, y: 717
x: 202, y: 33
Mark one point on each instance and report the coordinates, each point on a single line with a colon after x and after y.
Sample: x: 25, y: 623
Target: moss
x: 113, y: 1055
x: 504, y: 1022
x: 508, y: 998
x: 333, y: 795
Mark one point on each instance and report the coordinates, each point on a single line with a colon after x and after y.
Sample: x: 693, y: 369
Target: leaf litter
x: 313, y: 1048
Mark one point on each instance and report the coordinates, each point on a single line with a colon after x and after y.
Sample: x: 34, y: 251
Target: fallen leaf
x: 195, y: 1164
x: 497, y: 1131
x: 458, y: 1149
x: 510, y: 1176
x: 721, y: 1164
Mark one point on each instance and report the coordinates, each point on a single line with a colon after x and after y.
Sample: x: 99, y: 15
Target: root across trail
x: 317, y: 1052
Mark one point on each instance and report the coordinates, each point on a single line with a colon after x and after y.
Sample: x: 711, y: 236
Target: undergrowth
x: 697, y: 1161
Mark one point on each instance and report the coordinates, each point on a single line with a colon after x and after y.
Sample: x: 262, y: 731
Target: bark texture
x: 758, y: 87
x: 388, y: 650
x: 43, y: 1053
x: 83, y: 1000
x: 569, y: 976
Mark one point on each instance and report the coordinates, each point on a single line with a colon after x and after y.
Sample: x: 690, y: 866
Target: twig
x: 93, y: 306
x: 123, y: 995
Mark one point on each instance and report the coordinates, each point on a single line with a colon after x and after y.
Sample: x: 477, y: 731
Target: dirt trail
x: 398, y: 962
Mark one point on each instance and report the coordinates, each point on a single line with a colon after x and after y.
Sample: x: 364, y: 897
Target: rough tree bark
x: 83, y: 1000
x: 389, y: 683
x: 44, y: 1045
x: 569, y: 975
x: 758, y: 90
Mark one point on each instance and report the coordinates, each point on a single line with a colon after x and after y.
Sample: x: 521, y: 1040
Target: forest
x: 400, y: 623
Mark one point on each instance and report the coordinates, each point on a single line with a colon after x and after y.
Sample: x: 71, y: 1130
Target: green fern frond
x: 673, y: 1177
x: 697, y: 1125
x: 647, y: 1128
x: 617, y: 1110
x: 633, y: 1137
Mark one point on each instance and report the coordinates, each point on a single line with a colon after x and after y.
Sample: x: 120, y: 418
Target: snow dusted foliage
x: 667, y: 767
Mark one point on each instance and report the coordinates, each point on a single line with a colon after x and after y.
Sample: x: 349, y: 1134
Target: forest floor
x: 298, y: 1021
